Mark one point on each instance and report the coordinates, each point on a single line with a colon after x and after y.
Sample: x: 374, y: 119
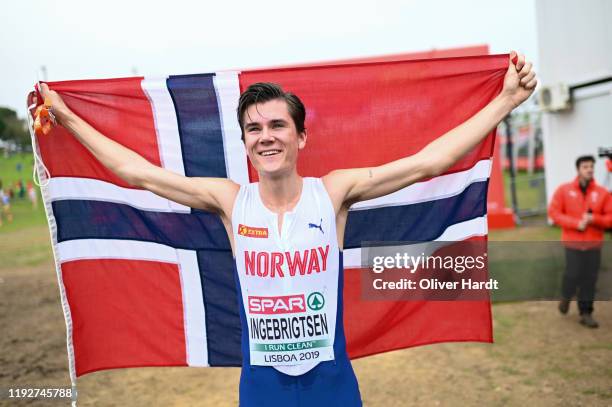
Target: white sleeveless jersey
x: 289, y: 280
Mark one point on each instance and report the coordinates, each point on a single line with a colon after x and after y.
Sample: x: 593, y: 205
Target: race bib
x: 291, y: 329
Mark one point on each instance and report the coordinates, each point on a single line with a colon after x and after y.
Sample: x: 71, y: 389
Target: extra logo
x: 284, y: 304
x: 250, y: 231
x: 315, y: 301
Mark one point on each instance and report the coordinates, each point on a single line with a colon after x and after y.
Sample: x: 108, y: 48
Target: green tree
x: 13, y: 128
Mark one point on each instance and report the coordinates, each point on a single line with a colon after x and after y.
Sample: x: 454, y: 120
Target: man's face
x: 271, y: 138
x: 585, y: 171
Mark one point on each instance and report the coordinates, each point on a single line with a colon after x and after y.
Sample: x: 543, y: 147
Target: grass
x: 597, y: 346
x: 503, y: 326
x: 510, y: 371
x: 530, y: 190
x: 535, y: 229
x: 24, y: 216
x: 26, y: 247
x: 601, y: 393
x: 25, y: 241
x: 9, y: 172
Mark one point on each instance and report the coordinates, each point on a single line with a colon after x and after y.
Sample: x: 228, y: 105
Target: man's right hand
x: 587, y: 219
x: 58, y: 107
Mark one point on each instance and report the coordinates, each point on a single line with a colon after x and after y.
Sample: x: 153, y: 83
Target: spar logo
x: 250, y: 231
x: 316, y: 301
x: 284, y: 304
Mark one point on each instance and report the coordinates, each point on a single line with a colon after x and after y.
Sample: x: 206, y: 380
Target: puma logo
x: 314, y: 226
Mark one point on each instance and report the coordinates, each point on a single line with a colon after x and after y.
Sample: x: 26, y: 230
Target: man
x: 5, y: 201
x: 285, y: 213
x: 584, y: 210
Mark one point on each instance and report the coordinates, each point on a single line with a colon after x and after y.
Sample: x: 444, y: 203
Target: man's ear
x: 302, y: 139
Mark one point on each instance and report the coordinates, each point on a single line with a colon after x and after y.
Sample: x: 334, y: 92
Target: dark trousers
x: 581, y: 269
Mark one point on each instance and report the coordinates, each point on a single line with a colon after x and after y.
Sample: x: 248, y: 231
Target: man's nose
x: 266, y: 135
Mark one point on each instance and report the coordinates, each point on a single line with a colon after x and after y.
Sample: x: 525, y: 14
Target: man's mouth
x: 268, y: 153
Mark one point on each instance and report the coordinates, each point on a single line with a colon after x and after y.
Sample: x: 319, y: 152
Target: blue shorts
x: 327, y: 384
x: 331, y: 383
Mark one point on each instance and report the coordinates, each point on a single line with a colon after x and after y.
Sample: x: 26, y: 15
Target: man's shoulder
x: 565, y: 187
x: 562, y: 188
x: 600, y: 189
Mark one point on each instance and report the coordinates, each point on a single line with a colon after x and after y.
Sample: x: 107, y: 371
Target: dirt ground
x: 540, y: 358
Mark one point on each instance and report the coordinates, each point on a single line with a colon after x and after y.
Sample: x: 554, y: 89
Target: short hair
x: 262, y: 92
x: 583, y: 159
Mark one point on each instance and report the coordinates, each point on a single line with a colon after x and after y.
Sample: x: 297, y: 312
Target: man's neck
x: 281, y: 194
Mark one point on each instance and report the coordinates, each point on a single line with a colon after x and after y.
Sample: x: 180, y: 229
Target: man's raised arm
x: 212, y: 194
x: 349, y: 186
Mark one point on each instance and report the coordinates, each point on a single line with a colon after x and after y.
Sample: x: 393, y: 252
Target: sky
x: 87, y: 40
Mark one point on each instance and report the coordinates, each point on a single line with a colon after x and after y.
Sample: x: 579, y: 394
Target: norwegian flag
x: 145, y: 281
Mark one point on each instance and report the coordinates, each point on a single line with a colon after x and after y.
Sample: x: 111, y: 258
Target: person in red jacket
x: 583, y: 209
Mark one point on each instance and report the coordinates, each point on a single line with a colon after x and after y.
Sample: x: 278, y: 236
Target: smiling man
x: 287, y: 231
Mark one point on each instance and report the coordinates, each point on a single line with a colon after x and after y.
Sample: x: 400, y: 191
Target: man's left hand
x: 520, y: 80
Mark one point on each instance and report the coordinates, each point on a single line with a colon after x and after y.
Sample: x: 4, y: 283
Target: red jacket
x: 569, y: 204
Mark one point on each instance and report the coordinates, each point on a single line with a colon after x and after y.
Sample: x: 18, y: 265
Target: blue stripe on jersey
x: 424, y: 221
x: 199, y: 123
x: 84, y: 219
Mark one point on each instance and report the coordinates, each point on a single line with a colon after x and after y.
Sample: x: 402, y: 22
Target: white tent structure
x: 575, y: 70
